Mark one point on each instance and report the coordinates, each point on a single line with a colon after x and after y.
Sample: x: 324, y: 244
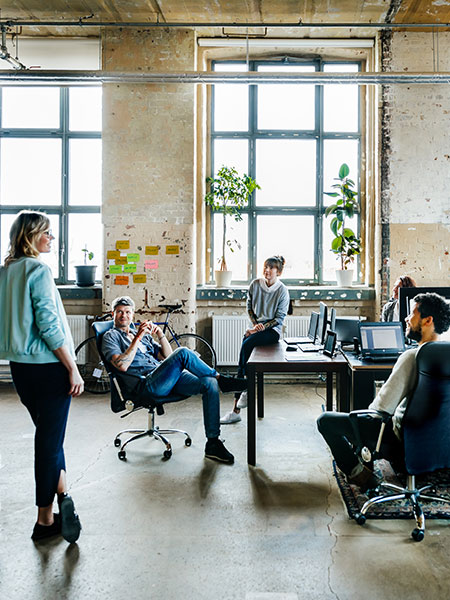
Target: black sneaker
x: 215, y: 450
x: 231, y: 384
x: 42, y: 532
x: 365, y: 480
x: 70, y: 522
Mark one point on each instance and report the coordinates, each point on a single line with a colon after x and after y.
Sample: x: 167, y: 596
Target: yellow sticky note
x: 133, y: 258
x: 172, y: 249
x: 112, y: 254
x: 152, y: 250
x: 122, y: 244
x: 122, y: 260
x: 129, y: 268
x: 121, y: 280
x: 140, y: 278
x: 115, y: 269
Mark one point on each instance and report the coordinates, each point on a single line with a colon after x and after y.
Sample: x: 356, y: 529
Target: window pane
x: 30, y: 172
x: 340, y: 102
x: 30, y: 107
x: 331, y: 261
x: 336, y: 152
x: 237, y: 260
x: 231, y: 153
x: 85, y: 172
x: 293, y: 238
x: 51, y: 259
x: 286, y: 172
x: 85, y: 109
x: 230, y: 101
x: 85, y: 231
x: 286, y: 106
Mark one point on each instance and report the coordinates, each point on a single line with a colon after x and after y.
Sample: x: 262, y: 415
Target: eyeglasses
x: 48, y: 233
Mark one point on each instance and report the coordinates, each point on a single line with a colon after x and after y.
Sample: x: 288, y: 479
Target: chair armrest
x: 355, y: 417
x: 370, y: 414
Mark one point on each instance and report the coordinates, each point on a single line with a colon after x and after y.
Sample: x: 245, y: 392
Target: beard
x: 414, y: 334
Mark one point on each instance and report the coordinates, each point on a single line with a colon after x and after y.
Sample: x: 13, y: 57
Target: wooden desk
x: 271, y: 359
x: 363, y: 374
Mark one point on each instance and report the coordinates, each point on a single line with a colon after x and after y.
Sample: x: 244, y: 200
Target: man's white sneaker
x: 230, y: 417
x: 243, y: 401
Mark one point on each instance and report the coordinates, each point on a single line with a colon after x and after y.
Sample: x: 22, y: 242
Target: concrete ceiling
x: 221, y: 12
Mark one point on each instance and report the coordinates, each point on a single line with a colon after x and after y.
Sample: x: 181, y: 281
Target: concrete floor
x: 189, y: 528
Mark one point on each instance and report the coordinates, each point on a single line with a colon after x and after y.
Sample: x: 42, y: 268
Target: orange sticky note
x: 122, y: 260
x: 139, y: 278
x: 121, y: 280
x: 122, y: 244
x: 172, y: 249
x: 112, y: 254
x: 152, y: 250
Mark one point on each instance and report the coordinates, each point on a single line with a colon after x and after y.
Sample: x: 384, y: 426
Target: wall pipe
x: 252, y: 77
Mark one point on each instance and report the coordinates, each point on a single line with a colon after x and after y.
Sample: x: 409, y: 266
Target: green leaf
x: 331, y: 194
x: 344, y: 171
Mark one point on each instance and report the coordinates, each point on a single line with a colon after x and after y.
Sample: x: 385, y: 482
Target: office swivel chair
x: 125, y: 395
x: 426, y: 433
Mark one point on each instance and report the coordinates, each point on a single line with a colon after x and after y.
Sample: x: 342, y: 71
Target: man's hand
x: 148, y: 327
x: 254, y: 329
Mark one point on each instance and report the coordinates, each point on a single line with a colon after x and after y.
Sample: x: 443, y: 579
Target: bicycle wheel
x: 90, y: 365
x: 199, y: 345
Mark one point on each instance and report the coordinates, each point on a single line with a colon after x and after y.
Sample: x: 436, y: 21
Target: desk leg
x: 330, y: 390
x: 260, y: 394
x: 251, y: 417
x: 343, y: 399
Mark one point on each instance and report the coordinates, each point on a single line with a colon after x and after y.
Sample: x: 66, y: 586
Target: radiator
x: 228, y: 331
x: 79, y: 326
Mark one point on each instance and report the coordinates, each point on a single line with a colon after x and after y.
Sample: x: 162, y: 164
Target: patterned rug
x: 398, y: 509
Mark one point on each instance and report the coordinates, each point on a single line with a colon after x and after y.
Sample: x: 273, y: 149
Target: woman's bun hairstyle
x: 276, y: 261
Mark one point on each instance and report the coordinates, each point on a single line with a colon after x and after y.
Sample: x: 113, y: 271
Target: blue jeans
x: 184, y: 373
x: 260, y: 338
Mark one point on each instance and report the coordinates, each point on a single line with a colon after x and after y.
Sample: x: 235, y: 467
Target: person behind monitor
x: 390, y: 311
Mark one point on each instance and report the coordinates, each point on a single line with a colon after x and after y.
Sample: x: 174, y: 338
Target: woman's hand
x: 76, y: 383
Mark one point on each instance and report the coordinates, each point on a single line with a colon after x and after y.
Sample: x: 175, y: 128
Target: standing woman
x: 390, y: 311
x: 267, y: 307
x: 36, y: 339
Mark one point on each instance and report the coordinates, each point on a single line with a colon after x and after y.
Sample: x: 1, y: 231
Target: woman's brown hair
x: 276, y: 261
x: 23, y: 233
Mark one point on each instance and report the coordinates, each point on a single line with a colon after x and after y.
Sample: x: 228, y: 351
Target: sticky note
x: 122, y: 260
x: 140, y: 278
x: 115, y: 269
x: 133, y: 258
x: 151, y: 264
x: 122, y: 244
x: 172, y: 249
x: 121, y: 280
x: 129, y: 268
x: 152, y: 250
x: 112, y: 254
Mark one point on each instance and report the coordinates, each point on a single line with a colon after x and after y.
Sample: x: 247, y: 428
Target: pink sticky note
x: 151, y: 264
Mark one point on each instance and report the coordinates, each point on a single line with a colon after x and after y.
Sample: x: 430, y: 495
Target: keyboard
x: 310, y: 347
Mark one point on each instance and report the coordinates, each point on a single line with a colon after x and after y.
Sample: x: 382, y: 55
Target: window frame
x: 319, y: 135
x: 64, y: 210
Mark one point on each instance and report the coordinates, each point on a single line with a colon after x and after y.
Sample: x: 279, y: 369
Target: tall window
x: 50, y: 160
x: 291, y: 138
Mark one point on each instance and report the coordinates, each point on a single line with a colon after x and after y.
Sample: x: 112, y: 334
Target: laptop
x: 312, y: 330
x: 381, y: 341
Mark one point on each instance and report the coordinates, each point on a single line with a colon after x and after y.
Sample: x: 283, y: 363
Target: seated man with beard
x: 429, y: 317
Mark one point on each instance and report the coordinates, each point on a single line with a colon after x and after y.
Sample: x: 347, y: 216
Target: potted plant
x: 85, y: 274
x: 345, y: 242
x: 228, y: 194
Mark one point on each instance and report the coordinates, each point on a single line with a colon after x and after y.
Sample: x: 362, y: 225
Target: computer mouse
x: 291, y: 349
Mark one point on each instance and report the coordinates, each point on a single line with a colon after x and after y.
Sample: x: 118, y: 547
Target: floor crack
x: 330, y: 531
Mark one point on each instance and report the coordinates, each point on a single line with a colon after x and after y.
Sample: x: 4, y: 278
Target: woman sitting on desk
x: 390, y: 310
x: 267, y: 307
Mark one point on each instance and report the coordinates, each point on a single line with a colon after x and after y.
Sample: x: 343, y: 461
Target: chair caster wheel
x: 360, y: 519
x: 122, y: 455
x: 417, y: 535
x: 167, y: 454
x: 188, y: 442
x: 117, y: 442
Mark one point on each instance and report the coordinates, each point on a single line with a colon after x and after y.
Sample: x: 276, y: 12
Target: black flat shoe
x: 70, y: 521
x: 42, y: 532
x: 231, y: 384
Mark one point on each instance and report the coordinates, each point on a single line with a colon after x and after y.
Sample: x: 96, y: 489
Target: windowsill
x: 73, y: 292
x: 357, y: 292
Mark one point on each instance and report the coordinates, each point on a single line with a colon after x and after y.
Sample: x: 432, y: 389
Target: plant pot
x: 344, y: 278
x: 223, y: 278
x: 85, y: 275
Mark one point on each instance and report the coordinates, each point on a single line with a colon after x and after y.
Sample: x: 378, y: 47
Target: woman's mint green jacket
x: 32, y: 317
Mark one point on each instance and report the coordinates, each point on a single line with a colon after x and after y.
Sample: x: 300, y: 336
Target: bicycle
x: 93, y: 372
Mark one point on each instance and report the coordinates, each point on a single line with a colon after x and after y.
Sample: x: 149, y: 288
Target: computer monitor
x: 347, y: 328
x: 332, y: 320
x: 405, y: 295
x: 323, y: 324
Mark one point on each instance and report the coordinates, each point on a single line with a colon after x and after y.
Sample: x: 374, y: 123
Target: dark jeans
x: 261, y: 338
x: 338, y: 433
x: 43, y: 389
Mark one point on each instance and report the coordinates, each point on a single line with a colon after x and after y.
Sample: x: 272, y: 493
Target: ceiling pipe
x: 82, y: 22
x: 285, y: 42
x: 5, y: 55
x: 201, y: 77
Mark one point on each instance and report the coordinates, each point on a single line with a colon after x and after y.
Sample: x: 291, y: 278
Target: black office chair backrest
x: 426, y: 423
